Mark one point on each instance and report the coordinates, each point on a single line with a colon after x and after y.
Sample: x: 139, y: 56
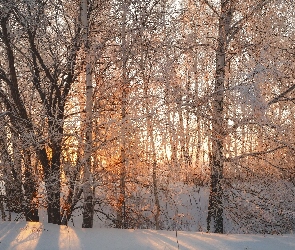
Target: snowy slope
x: 43, y: 236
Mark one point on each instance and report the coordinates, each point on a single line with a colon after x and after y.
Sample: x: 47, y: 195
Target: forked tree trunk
x: 54, y: 104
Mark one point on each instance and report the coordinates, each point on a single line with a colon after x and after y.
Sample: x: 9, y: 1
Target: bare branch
x: 211, y: 7
x: 280, y: 96
x: 254, y: 154
x: 235, y: 28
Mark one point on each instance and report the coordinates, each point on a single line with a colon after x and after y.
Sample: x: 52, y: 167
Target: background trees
x: 148, y: 113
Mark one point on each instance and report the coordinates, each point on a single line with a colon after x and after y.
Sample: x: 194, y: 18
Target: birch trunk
x: 88, y: 208
x: 215, y: 209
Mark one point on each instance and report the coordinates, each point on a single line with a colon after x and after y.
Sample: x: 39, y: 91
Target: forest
x: 149, y: 114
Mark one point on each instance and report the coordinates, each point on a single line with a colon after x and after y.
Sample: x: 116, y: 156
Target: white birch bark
x: 87, y: 186
x: 215, y: 209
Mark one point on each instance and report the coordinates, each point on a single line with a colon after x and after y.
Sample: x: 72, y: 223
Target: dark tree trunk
x: 53, y: 199
x: 53, y: 181
x: 88, y: 210
x: 72, y: 197
x: 14, y: 194
x: 215, y: 209
x: 30, y: 188
x: 13, y: 187
x: 52, y: 176
x: 16, y: 108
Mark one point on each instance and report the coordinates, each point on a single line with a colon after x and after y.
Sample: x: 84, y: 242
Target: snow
x: 43, y: 236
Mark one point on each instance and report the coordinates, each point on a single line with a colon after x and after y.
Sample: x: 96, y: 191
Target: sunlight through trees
x: 154, y: 114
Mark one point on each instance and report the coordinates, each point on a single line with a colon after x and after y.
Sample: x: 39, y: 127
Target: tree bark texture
x: 215, y: 209
x: 88, y: 207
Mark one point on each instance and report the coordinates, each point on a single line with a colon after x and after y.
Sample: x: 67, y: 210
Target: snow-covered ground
x: 43, y: 236
x: 184, y: 207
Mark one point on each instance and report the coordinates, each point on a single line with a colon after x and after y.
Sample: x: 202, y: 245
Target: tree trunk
x: 154, y: 156
x: 88, y: 207
x: 215, y: 209
x: 13, y: 188
x: 121, y: 206
x: 53, y: 186
x: 30, y: 189
x: 16, y: 170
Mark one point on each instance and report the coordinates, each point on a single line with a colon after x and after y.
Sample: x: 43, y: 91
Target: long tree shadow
x: 8, y: 232
x: 19, y: 235
x: 49, y: 238
x: 29, y: 236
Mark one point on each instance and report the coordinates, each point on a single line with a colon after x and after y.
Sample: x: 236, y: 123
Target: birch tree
x: 87, y: 185
x: 229, y: 28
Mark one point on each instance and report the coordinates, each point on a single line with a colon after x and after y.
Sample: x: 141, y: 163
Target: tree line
x: 106, y: 103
